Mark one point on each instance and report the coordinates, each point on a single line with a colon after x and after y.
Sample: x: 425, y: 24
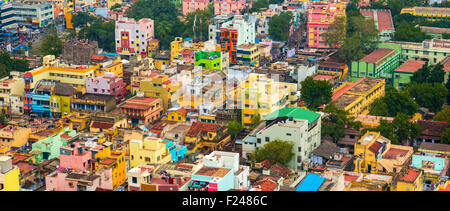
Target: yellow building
x: 14, y: 136
x: 206, y: 137
x: 248, y: 54
x: 116, y: 161
x: 429, y: 13
x: 178, y: 115
x: 80, y: 121
x: 176, y: 47
x: 375, y: 154
x: 162, y: 59
x: 9, y: 175
x: 262, y: 95
x: 160, y: 86
x: 151, y: 150
x: 356, y: 98
x: 112, y: 66
x: 111, y: 3
x: 60, y: 99
x: 10, y: 85
x: 409, y: 179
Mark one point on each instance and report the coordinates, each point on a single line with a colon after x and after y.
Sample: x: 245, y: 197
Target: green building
x: 433, y: 51
x: 208, y: 60
x: 435, y: 32
x: 379, y: 64
x: 402, y: 75
x: 49, y: 148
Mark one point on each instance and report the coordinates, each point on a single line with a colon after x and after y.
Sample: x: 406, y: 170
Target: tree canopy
x: 202, y: 19
x: 7, y: 64
x: 234, y: 127
x: 400, y: 131
x: 392, y: 103
x: 315, y: 92
x: 276, y: 151
x: 259, y: 4
x: 51, y: 44
x: 443, y: 115
x: 406, y: 31
x: 429, y: 95
x: 279, y: 26
x: 335, y: 122
x: 102, y: 32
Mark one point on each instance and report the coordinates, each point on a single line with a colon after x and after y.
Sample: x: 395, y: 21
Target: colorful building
x: 50, y: 147
x: 208, y: 60
x: 429, y: 13
x: 356, y: 98
x: 160, y: 86
x: 230, y: 6
x: 320, y: 16
x: 409, y: 179
x: 297, y: 125
x: 375, y: 154
x: 177, y: 114
x: 111, y: 66
x: 262, y: 95
x: 108, y: 84
x: 93, y: 102
x: 204, y: 137
x: 60, y: 99
x: 190, y: 6
x: 75, y: 157
x: 147, y: 151
x: 402, y: 75
x: 10, y: 85
x: 248, y: 54
x: 379, y: 64
x: 212, y: 179
x: 334, y: 65
x: 433, y: 51
x: 9, y: 175
x: 14, y: 136
x: 132, y: 36
x: 116, y: 161
x: 142, y: 110
x: 153, y: 178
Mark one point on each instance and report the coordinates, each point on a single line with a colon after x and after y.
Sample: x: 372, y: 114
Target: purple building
x: 108, y: 84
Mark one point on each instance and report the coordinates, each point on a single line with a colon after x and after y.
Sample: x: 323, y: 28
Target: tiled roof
x: 283, y: 170
x: 375, y: 147
x: 431, y: 129
x: 102, y: 125
x: 63, y: 89
x: 446, y: 63
x: 410, y: 175
x: 266, y: 185
x: 212, y: 171
x: 266, y: 163
x: 410, y: 66
x: 25, y: 167
x: 379, y: 55
x: 383, y: 18
x: 98, y: 57
x: 435, y: 147
x: 326, y: 150
x: 392, y: 153
x: 201, y: 126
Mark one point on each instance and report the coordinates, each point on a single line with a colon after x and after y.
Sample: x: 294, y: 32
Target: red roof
x: 266, y: 185
x: 392, y: 153
x: 102, y: 125
x: 378, y: 55
x: 107, y: 161
x: 375, y: 147
x: 283, y: 170
x: 266, y: 163
x: 411, y: 175
x: 98, y: 57
x: 383, y: 19
x: 201, y: 126
x: 410, y: 66
x: 345, y: 89
x: 446, y: 63
x: 24, y: 167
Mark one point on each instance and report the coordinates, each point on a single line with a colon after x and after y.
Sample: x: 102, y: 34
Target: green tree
x: 255, y: 120
x: 115, y: 6
x: 51, y: 44
x: 400, y: 131
x: 406, y: 31
x: 234, y: 127
x: 335, y: 36
x: 276, y: 151
x: 7, y: 64
x: 102, y: 32
x: 202, y: 19
x: 445, y: 136
x: 437, y: 74
x: 3, y: 118
x: 279, y: 26
x: 445, y: 35
x: 259, y: 4
x: 428, y: 95
x: 315, y: 92
x: 82, y: 19
x: 392, y: 103
x: 421, y: 75
x: 335, y: 121
x: 443, y: 115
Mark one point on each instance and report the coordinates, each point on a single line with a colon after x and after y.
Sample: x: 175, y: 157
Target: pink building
x: 187, y: 56
x: 192, y: 5
x: 320, y: 16
x: 229, y: 6
x: 108, y: 84
x: 132, y: 37
x: 72, y: 181
x: 73, y: 156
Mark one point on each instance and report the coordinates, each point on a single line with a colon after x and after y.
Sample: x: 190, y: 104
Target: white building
x: 38, y: 13
x: 132, y: 36
x: 300, y: 126
x: 229, y: 160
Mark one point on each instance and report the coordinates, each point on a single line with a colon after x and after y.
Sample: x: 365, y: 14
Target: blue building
x: 41, y: 98
x: 177, y: 152
x: 212, y: 179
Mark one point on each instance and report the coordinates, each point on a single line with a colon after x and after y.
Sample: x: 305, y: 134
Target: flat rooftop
x: 345, y: 100
x: 212, y: 171
x: 365, y: 85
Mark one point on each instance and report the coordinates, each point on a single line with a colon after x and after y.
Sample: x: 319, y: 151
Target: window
x: 258, y: 140
x: 267, y: 139
x: 134, y: 180
x: 288, y: 134
x: 299, y: 149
